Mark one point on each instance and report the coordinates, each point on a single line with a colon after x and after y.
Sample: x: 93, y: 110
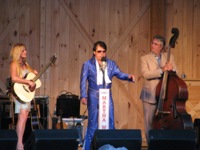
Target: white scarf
x: 100, y: 75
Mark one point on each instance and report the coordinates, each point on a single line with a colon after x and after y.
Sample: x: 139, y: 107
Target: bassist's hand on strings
x: 167, y: 67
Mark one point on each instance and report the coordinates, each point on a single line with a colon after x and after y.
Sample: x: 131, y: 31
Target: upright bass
x: 171, y: 95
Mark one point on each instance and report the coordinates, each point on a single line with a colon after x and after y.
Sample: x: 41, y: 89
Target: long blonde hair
x: 15, y: 53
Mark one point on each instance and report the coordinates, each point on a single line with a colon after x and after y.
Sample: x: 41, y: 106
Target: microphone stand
x: 103, y: 67
x: 104, y: 83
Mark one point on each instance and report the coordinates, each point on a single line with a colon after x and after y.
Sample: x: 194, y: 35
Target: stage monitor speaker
x: 130, y: 139
x: 53, y: 140
x: 8, y: 139
x: 172, y: 140
x: 197, y: 128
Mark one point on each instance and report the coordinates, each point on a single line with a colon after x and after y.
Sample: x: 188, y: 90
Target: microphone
x: 104, y: 63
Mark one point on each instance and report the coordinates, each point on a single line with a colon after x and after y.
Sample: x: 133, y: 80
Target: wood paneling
x: 157, y: 24
x: 193, y: 105
x: 70, y: 27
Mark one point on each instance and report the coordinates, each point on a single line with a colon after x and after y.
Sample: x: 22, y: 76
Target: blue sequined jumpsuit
x: 89, y: 74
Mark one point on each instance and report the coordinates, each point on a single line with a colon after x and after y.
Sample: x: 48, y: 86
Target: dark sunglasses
x: 101, y: 51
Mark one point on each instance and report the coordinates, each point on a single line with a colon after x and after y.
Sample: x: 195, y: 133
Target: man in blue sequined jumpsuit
x: 91, y: 74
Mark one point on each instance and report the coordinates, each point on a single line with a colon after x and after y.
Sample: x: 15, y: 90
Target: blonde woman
x: 18, y: 69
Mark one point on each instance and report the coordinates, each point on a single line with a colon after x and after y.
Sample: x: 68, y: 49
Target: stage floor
x: 143, y: 148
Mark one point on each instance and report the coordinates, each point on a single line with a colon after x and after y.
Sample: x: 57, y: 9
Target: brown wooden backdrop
x: 70, y: 27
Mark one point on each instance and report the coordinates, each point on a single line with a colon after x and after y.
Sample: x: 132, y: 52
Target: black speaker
x: 7, y: 121
x: 53, y: 140
x: 68, y: 105
x: 130, y: 139
x: 172, y: 140
x: 8, y: 139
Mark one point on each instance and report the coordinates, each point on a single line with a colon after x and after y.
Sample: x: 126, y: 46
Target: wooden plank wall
x: 183, y: 15
x: 70, y: 27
